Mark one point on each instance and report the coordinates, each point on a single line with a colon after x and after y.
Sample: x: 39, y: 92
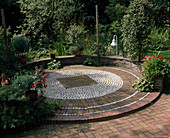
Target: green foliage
x: 143, y: 85
x: 37, y: 54
x: 116, y: 9
x: 10, y: 93
x: 158, y: 39
x: 58, y: 47
x: 24, y: 81
x: 2, y: 40
x: 20, y: 44
x: 153, y: 67
x: 93, y: 62
x: 90, y: 45
x: 46, y: 16
x: 15, y: 110
x: 54, y: 65
x: 74, y: 34
x: 74, y: 49
x: 135, y: 27
x: 161, y: 12
x: 47, y: 109
x: 74, y: 37
x: 9, y: 65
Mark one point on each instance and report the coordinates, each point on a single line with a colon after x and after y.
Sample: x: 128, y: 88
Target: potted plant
x: 31, y: 82
x: 52, y: 53
x: 76, y: 50
x: 39, y: 77
x: 74, y: 34
x: 154, y: 70
x: 20, y: 43
x: 24, y: 82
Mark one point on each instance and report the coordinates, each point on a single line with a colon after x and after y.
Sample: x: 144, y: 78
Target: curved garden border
x: 73, y: 60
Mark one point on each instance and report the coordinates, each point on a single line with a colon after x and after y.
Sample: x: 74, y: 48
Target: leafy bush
x: 143, y: 85
x: 74, y: 34
x: 54, y: 65
x: 20, y: 44
x: 9, y: 93
x: 15, y: 110
x: 47, y: 109
x: 158, y: 39
x: 23, y: 81
x: 93, y: 62
x: 30, y: 80
x: 135, y: 28
x: 153, y: 67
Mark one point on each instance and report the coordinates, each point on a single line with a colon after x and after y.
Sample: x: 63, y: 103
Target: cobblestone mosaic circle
x: 106, y: 83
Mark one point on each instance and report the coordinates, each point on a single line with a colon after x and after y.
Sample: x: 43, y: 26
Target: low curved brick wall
x: 73, y: 60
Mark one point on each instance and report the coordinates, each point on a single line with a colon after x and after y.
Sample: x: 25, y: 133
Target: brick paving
x: 149, y: 121
x: 116, y: 103
x: 153, y: 121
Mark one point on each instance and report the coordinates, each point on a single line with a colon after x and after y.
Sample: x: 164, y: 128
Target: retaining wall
x: 73, y: 60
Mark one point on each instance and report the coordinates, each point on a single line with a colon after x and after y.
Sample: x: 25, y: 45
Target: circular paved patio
x: 90, y: 93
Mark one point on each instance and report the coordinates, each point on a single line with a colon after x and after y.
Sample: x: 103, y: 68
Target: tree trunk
x: 139, y: 56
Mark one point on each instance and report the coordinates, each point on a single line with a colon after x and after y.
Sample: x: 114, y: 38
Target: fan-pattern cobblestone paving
x: 93, y: 93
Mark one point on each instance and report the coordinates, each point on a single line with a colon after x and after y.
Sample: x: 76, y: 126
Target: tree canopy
x: 47, y: 16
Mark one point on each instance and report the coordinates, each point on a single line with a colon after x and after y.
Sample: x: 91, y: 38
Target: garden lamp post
x: 114, y: 43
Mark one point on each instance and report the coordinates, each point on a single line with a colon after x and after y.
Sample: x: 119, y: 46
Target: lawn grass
x: 165, y: 54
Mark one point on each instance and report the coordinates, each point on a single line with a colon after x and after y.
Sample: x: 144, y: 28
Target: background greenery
x: 141, y: 26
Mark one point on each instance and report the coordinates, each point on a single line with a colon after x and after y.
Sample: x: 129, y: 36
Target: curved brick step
x: 117, y: 104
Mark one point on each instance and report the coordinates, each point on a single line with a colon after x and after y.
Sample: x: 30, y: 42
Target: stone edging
x: 73, y: 60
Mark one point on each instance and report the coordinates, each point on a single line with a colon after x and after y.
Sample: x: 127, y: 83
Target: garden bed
x: 74, y: 60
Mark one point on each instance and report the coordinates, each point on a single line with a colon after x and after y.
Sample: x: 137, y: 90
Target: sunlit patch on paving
x: 81, y: 84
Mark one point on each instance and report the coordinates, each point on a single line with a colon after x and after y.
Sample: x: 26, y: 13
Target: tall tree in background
x: 135, y: 27
x: 47, y: 16
x: 12, y: 13
x: 116, y: 9
x: 161, y: 12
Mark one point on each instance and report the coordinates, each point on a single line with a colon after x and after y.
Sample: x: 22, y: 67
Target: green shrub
x: 20, y: 44
x: 18, y: 112
x: 15, y: 109
x: 54, y: 65
x: 93, y: 62
x: 158, y: 39
x: 24, y: 81
x: 135, y: 28
x: 153, y: 67
x: 143, y: 85
x: 47, y: 109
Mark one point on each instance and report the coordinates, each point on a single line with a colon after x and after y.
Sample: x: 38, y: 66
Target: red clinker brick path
x: 153, y: 121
